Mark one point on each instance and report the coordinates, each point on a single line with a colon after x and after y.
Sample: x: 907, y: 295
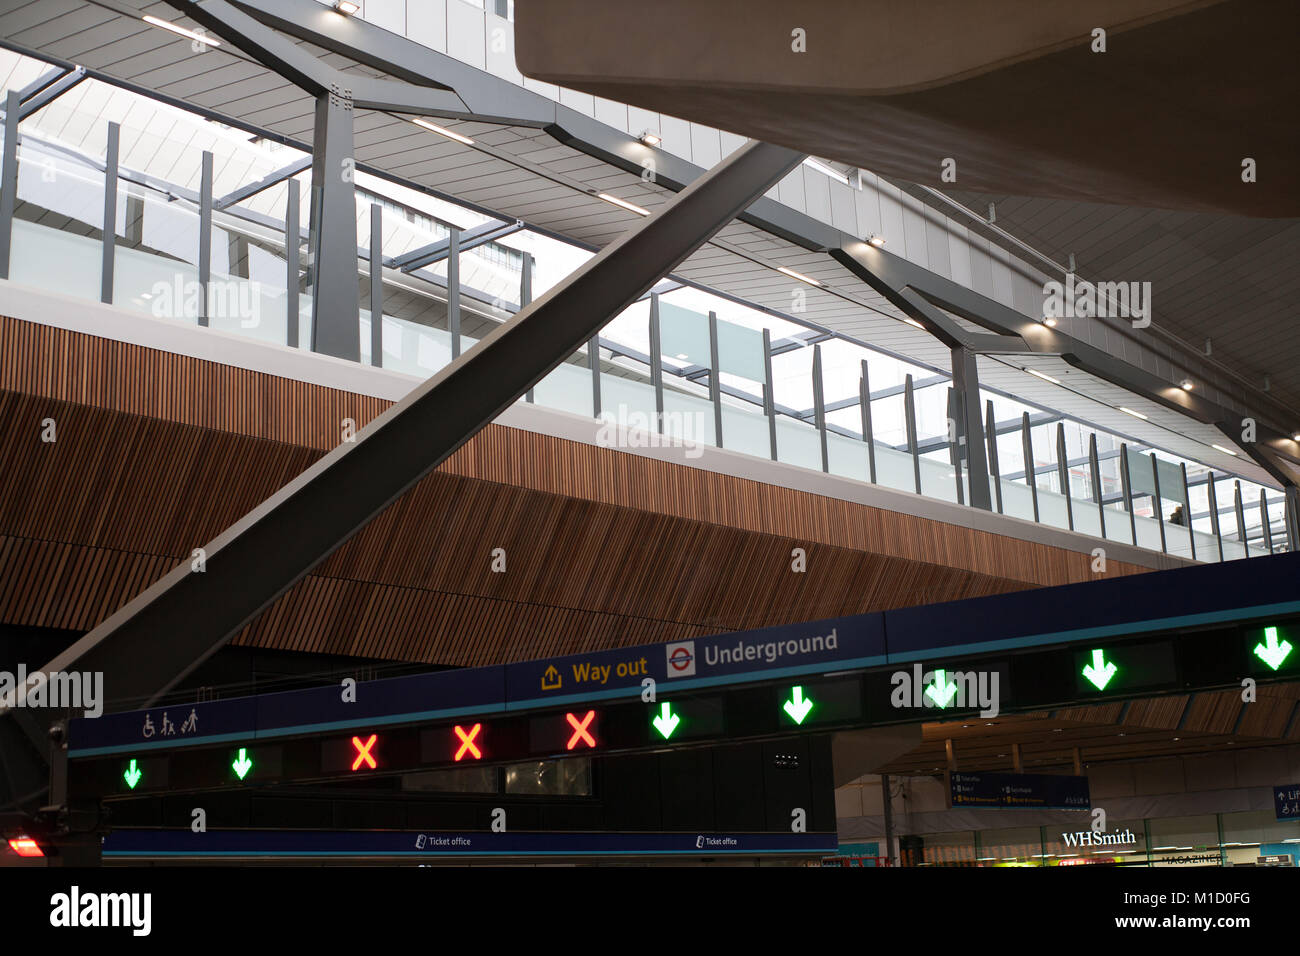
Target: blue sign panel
x: 1019, y: 790
x: 771, y: 652
x: 171, y: 726
x: 1286, y: 802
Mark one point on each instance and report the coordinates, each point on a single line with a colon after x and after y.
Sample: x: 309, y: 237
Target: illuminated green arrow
x: 667, y: 721
x: 242, y: 765
x: 133, y: 775
x: 798, y: 705
x: 1271, y: 652
x: 1100, y: 671
x: 939, y: 692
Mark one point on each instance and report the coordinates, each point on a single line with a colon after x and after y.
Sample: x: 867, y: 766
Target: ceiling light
x: 1296, y: 437
x: 626, y: 205
x: 916, y: 323
x: 682, y: 355
x: 1045, y: 378
x: 1049, y: 321
x: 1227, y: 451
x: 649, y: 137
x: 346, y: 7
x: 797, y: 275
x: 830, y: 171
x: 1186, y: 385
x: 443, y: 132
x: 181, y: 31
x: 876, y: 241
x: 1129, y: 411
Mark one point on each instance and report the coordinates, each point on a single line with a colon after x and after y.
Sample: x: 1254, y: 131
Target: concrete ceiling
x: 1018, y: 92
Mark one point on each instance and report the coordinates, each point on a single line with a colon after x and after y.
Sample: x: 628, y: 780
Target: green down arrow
x: 939, y: 692
x: 798, y: 705
x: 667, y: 721
x: 1100, y: 671
x: 242, y: 764
x: 133, y: 775
x: 1271, y: 652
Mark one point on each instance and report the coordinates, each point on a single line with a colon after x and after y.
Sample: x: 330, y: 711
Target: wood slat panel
x: 157, y: 453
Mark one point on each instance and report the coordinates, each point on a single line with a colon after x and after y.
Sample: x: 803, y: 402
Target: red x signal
x: 467, y: 742
x: 363, y: 751
x: 580, y: 730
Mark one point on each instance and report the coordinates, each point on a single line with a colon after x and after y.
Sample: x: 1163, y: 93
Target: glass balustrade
x: 57, y: 246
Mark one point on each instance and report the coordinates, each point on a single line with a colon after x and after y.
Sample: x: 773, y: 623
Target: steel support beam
x: 205, y: 236
x: 376, y: 285
x: 909, y: 420
x: 266, y: 182
x: 819, y: 405
x: 153, y: 642
x: 868, y: 429
x: 995, y: 468
x: 108, y: 236
x: 336, y: 302
x: 435, y: 252
x: 453, y: 291
x: 49, y: 93
x: 292, y: 264
x: 9, y: 181
x: 769, y: 391
x: 1031, y: 470
x: 970, y: 429
x: 715, y: 386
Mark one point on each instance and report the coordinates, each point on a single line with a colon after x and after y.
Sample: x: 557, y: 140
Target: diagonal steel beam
x: 437, y: 251
x: 266, y: 182
x: 50, y: 92
x: 152, y: 643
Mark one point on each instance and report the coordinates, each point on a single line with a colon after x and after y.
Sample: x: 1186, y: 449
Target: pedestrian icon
x: 191, y: 723
x: 168, y: 728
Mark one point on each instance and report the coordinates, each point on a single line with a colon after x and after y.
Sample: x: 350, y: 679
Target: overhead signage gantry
x: 1165, y: 632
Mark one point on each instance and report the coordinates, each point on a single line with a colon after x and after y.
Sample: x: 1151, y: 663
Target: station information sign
x: 817, y: 677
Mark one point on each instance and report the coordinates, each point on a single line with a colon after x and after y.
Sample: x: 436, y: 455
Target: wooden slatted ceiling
x: 157, y: 453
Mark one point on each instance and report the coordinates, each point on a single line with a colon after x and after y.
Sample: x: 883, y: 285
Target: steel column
x: 1094, y: 468
x: 593, y: 359
x: 453, y: 290
x: 1031, y: 472
x: 1063, y: 474
x: 9, y: 180
x: 154, y: 641
x: 205, y: 237
x: 769, y: 392
x: 868, y: 436
x: 819, y: 405
x: 909, y: 422
x: 970, y: 427
x: 108, y: 243
x: 656, y: 363
x: 1158, y: 502
x: 715, y: 385
x: 1265, y: 524
x: 1127, y: 483
x: 526, y: 297
x: 335, y: 304
x: 954, y: 439
x: 995, y: 467
x: 292, y: 264
x: 1187, y: 510
x: 1241, y: 518
x: 1292, y: 517
x: 1214, y: 513
x: 376, y: 285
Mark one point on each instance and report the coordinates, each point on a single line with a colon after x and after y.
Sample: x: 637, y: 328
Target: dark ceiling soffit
x: 894, y: 276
